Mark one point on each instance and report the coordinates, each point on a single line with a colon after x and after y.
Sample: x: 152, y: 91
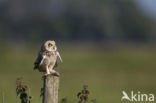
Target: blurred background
x: 108, y: 45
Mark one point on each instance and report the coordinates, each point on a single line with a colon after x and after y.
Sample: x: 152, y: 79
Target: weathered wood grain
x: 51, y: 86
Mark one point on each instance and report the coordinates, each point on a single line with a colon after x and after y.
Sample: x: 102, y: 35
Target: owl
x: 48, y: 58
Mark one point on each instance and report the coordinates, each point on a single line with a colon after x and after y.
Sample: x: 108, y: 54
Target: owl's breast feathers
x: 44, y: 58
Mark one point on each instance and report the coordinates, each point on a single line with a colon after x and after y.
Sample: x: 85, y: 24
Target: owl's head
x: 49, y: 45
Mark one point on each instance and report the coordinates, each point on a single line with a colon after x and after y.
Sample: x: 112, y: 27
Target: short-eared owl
x: 48, y: 58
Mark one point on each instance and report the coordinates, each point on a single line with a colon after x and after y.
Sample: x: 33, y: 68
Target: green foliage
x: 93, y: 101
x: 22, y: 90
x: 64, y: 100
x: 107, y: 71
x: 41, y: 92
x: 96, y: 20
x: 83, y: 95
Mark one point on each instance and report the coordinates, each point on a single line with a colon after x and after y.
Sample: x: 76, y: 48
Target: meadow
x: 106, y: 71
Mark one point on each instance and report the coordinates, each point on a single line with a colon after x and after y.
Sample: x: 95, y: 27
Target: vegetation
x: 99, y: 20
x: 107, y: 71
x: 22, y: 90
x: 104, y: 60
x: 83, y: 95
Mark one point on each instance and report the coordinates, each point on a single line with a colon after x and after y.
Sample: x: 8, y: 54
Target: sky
x: 148, y: 6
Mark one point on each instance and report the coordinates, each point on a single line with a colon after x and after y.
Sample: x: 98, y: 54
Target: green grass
x: 106, y: 72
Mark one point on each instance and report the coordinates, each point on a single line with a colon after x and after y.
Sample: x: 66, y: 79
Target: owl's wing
x: 38, y: 60
x: 58, y: 60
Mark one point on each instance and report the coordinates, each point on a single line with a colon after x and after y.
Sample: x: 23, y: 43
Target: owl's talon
x: 55, y: 74
x: 46, y: 74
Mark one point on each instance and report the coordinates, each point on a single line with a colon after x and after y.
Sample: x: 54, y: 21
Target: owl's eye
x: 49, y: 45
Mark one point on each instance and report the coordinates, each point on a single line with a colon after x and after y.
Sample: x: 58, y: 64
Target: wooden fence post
x: 50, y: 89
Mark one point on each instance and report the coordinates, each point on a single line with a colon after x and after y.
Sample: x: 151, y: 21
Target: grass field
x: 106, y: 72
